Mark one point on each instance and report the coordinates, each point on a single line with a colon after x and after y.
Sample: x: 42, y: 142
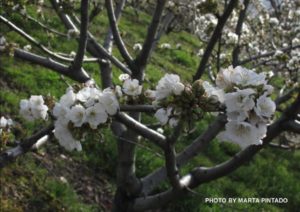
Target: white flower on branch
x: 60, y: 112
x: 242, y: 133
x: 165, y: 46
x: 173, y: 122
x: 169, y: 84
x: 214, y: 92
x: 265, y: 107
x: 150, y: 94
x: 273, y: 21
x: 34, y: 108
x: 124, y: 77
x: 84, y: 94
x: 241, y: 100
x: 109, y: 102
x: 72, y: 33
x: 25, y: 111
x: 229, y: 77
x: 131, y: 87
x: 68, y: 99
x: 232, y: 38
x: 96, y: 115
x: 77, y: 115
x: 118, y: 91
x: 65, y: 138
x: 137, y: 47
x: 245, y: 77
x: 163, y: 114
x: 27, y: 47
x: 5, y: 122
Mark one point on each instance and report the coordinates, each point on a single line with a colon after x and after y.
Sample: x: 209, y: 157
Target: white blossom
x: 77, y: 115
x: 212, y: 91
x: 27, y: 47
x: 132, y: 87
x: 169, y: 84
x: 60, y: 112
x: 37, y: 107
x: 274, y: 21
x: 96, y: 115
x: 245, y: 77
x: 4, y: 123
x: 265, y: 107
x: 241, y: 133
x: 232, y: 38
x: 118, y: 91
x: 173, y: 122
x: 241, y: 100
x: 65, y: 138
x: 72, y: 33
x: 150, y: 94
x: 40, y: 111
x: 25, y: 111
x: 124, y: 77
x: 109, y: 102
x: 163, y: 114
x: 137, y: 47
x: 165, y: 46
x: 34, y: 108
x: 68, y: 99
x: 229, y: 77
x: 84, y: 94
x: 223, y: 79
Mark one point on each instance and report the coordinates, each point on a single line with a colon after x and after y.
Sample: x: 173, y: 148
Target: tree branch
x: 92, y: 46
x: 292, y: 126
x: 142, y: 58
x: 10, y: 155
x: 81, y: 77
x: 214, y: 38
x: 106, y: 70
x: 138, y: 108
x: 152, y: 180
x: 268, y: 54
x: 33, y: 40
x: 117, y: 37
x: 141, y: 129
x: 42, y: 25
x: 238, y: 31
x: 77, y: 63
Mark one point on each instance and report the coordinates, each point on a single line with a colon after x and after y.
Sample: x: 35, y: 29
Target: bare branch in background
x: 143, y: 57
x: 77, y: 63
x: 238, y: 31
x: 214, y: 39
x: 116, y: 35
x: 60, y: 68
x: 268, y: 54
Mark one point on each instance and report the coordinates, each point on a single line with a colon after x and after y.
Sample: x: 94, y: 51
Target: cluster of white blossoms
x: 34, y: 108
x: 294, y: 62
x: 5, y: 124
x: 231, y: 38
x: 244, y: 93
x: 248, y: 105
x: 88, y: 106
x: 168, y: 85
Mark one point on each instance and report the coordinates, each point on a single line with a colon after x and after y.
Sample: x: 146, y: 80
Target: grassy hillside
x: 54, y: 180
